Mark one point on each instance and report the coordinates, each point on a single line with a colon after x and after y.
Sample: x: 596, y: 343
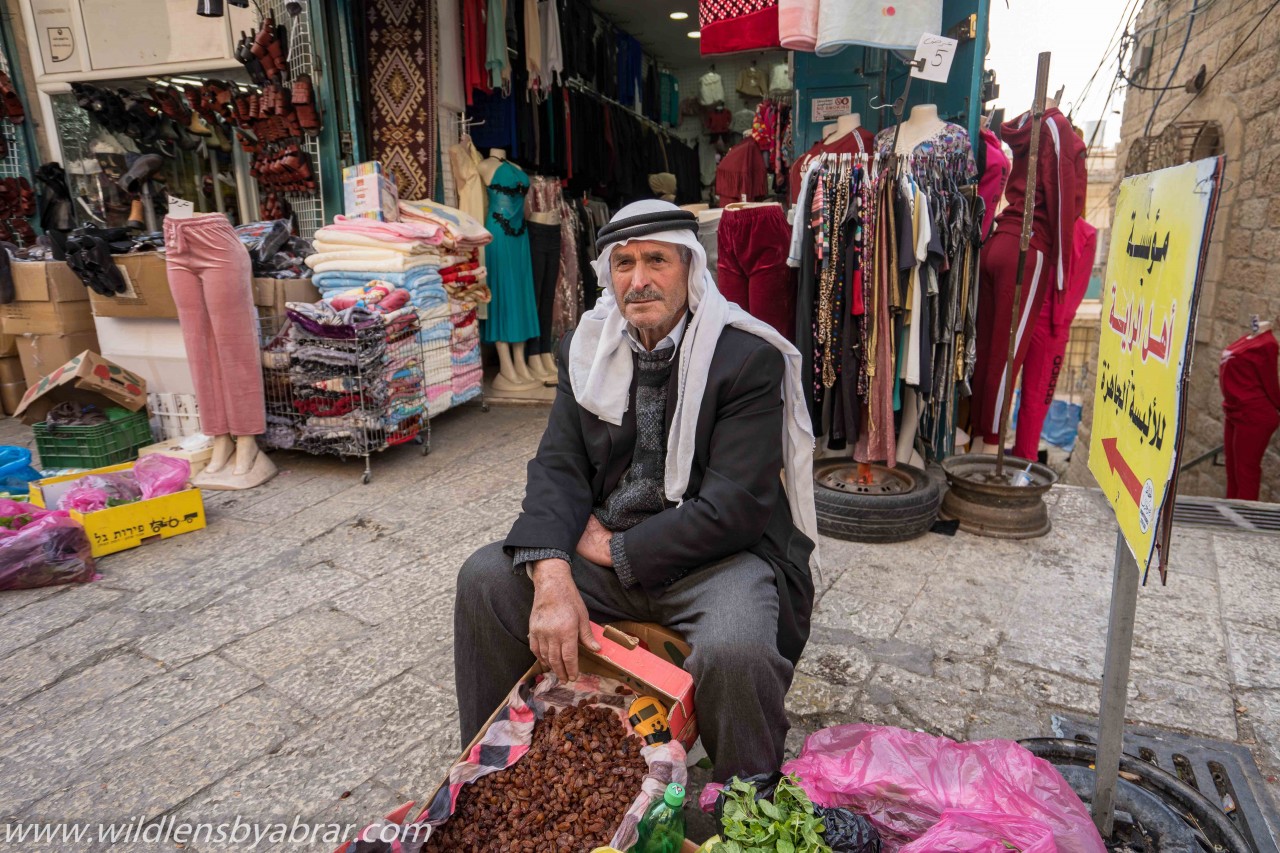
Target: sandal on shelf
x: 13, y: 108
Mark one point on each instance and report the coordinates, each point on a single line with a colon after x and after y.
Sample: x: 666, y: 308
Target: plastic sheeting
x: 925, y: 793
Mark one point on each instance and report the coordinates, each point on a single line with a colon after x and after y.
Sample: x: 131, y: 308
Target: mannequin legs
x: 223, y: 448
x: 508, y: 379
x: 243, y: 448
x: 549, y: 366
x: 521, y: 365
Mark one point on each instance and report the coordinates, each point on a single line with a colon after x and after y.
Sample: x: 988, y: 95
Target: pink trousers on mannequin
x: 211, y: 278
x: 752, y: 266
x: 1049, y: 341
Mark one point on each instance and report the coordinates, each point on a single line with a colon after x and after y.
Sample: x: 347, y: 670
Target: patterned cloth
x: 403, y: 52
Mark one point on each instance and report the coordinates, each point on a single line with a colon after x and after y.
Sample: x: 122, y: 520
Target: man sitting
x: 657, y: 495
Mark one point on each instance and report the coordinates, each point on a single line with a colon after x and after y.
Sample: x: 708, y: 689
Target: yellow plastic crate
x: 123, y: 527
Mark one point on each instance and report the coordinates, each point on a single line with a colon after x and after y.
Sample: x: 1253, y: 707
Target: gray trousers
x: 727, y: 612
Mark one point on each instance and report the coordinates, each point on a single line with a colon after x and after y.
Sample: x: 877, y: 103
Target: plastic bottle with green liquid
x: 662, y: 827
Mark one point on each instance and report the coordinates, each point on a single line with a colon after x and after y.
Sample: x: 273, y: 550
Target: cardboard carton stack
x: 44, y: 327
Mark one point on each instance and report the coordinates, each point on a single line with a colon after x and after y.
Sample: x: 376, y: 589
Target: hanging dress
x: 465, y: 161
x: 496, y: 60
x: 513, y: 315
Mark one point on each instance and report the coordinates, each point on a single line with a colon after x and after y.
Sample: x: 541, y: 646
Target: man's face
x: 650, y: 283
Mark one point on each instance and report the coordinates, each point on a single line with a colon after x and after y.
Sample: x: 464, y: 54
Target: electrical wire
x: 1226, y: 61
x: 1122, y: 24
x: 1155, y: 28
x: 1177, y: 63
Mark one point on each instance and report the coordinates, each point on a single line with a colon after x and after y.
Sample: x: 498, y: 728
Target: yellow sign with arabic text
x: 1150, y: 295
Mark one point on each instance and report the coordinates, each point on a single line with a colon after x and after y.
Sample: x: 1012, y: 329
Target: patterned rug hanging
x: 403, y: 58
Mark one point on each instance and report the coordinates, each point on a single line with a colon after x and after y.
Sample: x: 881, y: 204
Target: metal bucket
x: 985, y: 506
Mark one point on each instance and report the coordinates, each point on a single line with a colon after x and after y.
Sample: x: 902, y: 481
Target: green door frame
x: 344, y: 128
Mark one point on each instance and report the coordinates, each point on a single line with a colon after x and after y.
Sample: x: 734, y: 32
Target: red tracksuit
x: 1061, y: 182
x: 1251, y: 404
x: 1049, y: 342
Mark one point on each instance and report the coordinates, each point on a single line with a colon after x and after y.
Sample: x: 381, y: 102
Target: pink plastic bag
x: 980, y: 832
x: 94, y: 493
x: 41, y: 548
x: 905, y: 781
x: 161, y: 475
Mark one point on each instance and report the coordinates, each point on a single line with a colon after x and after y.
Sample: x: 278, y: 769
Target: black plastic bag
x: 766, y: 785
x: 847, y: 832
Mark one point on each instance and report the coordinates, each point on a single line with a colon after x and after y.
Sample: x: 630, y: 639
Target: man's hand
x: 559, y: 619
x: 594, y: 544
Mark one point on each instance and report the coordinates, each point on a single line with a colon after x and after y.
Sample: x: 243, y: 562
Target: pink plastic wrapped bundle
x: 161, y: 475
x: 41, y: 547
x: 926, y: 793
x: 98, y: 491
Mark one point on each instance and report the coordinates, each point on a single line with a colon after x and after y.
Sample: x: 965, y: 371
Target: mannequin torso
x: 920, y: 126
x: 845, y: 125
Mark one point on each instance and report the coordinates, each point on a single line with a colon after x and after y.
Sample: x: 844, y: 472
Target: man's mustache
x: 646, y: 294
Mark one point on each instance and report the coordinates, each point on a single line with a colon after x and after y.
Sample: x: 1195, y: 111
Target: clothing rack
x: 578, y: 85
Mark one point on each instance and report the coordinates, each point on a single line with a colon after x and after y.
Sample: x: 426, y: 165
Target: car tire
x: 900, y: 504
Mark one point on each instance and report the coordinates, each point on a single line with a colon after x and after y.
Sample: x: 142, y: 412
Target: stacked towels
x: 434, y: 254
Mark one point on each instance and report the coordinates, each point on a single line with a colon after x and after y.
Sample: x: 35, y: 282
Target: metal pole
x: 1115, y: 684
x: 1028, y: 219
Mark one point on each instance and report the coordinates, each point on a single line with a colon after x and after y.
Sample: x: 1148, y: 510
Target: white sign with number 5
x: 938, y: 52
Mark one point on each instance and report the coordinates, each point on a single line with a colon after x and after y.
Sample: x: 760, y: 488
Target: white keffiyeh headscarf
x: 600, y: 369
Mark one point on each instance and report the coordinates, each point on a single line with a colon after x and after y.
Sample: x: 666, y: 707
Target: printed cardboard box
x: 49, y: 299
x: 43, y: 354
x: 47, y: 281
x: 369, y: 192
x: 271, y: 294
x: 147, y: 291
x: 86, y: 377
x: 123, y: 527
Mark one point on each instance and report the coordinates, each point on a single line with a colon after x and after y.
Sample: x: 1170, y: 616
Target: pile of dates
x: 567, y: 793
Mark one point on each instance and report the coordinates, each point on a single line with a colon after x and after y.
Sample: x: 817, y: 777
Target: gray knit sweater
x: 640, y: 493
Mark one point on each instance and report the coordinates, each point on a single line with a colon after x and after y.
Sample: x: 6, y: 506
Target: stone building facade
x: 1236, y: 112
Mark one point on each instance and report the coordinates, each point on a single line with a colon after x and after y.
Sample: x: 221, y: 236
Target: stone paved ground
x: 295, y: 658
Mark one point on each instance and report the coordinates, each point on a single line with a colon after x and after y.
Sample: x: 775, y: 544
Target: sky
x: 1078, y: 34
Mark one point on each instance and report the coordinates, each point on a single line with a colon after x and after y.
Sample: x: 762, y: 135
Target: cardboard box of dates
x: 643, y: 656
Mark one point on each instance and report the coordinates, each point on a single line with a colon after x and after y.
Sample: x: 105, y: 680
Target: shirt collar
x: 671, y: 341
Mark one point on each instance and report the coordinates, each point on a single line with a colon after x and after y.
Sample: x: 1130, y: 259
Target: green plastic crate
x: 93, y: 446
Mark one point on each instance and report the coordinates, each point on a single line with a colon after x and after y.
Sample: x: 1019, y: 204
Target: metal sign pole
x: 1115, y: 685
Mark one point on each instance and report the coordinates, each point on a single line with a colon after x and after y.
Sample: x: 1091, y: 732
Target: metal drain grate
x: 1226, y: 515
x: 1224, y: 772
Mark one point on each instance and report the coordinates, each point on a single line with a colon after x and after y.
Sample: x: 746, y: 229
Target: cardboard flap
x: 661, y: 674
x: 86, y: 378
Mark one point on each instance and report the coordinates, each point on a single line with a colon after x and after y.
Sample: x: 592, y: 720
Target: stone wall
x: 1242, y: 276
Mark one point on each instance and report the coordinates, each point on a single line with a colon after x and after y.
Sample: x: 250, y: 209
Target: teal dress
x: 513, y: 315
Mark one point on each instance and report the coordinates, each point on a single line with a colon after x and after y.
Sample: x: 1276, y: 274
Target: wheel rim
x: 844, y: 477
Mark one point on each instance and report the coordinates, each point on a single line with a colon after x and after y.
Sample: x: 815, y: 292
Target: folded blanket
x: 375, y: 260
x: 390, y: 231
x: 331, y: 240
x: 462, y: 227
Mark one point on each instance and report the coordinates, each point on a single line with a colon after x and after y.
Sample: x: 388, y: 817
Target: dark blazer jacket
x: 734, y: 502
